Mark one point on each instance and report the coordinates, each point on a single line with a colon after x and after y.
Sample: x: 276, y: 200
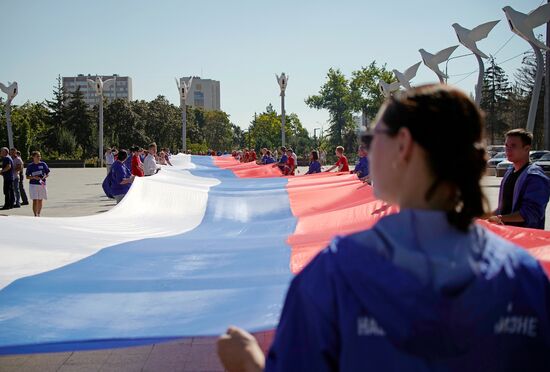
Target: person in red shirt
x: 252, y: 156
x: 290, y: 166
x: 342, y: 163
x: 137, y: 165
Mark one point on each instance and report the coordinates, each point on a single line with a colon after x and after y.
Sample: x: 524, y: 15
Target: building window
x: 198, y: 99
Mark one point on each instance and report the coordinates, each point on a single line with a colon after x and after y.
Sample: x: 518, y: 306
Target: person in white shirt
x: 109, y: 159
x: 150, y: 166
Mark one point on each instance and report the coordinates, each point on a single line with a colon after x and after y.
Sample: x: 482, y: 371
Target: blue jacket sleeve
x: 534, y: 200
x: 307, y: 335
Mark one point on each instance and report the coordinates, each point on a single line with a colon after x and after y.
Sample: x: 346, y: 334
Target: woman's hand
x: 239, y: 351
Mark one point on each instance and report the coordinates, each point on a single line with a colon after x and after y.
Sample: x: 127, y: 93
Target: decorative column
x: 283, y: 81
x: 183, y: 89
x: 100, y: 86
x: 469, y: 38
x: 11, y: 90
x: 523, y: 24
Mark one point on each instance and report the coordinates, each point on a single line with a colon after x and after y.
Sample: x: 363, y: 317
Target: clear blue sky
x: 240, y: 43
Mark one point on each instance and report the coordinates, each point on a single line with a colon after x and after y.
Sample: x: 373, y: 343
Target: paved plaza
x: 78, y: 192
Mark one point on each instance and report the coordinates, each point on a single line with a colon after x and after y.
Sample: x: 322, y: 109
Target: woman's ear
x: 405, y: 144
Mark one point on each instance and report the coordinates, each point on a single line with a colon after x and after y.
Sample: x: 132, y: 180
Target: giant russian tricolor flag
x: 201, y: 245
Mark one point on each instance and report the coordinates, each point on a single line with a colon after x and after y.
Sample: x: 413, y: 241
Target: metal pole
x: 8, y: 123
x: 479, y: 86
x: 283, y: 118
x: 547, y: 93
x: 536, y: 90
x: 184, y: 126
x: 101, y: 130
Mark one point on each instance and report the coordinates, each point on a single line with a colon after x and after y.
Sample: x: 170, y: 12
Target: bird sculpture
x: 432, y: 61
x: 404, y: 78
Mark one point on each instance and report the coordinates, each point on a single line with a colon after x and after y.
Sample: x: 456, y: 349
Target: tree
x: 79, y: 122
x: 57, y: 115
x: 366, y: 96
x: 123, y: 126
x: 163, y: 123
x: 495, y: 100
x: 218, y: 131
x: 335, y: 96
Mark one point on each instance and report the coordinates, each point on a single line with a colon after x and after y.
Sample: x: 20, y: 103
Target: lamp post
x: 469, y: 38
x: 315, y: 136
x: 100, y: 86
x: 523, y: 24
x: 11, y: 90
x: 283, y: 81
x: 183, y: 89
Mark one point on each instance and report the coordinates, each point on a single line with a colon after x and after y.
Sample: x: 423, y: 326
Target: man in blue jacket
x: 525, y: 189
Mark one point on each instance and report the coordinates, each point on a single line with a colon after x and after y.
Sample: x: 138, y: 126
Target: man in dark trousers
x: 7, y: 175
x: 525, y: 189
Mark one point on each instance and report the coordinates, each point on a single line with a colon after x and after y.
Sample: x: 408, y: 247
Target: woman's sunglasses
x: 367, y: 137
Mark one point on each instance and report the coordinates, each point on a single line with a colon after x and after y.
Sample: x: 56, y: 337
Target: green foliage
x: 265, y: 131
x: 495, y: 102
x: 366, y: 97
x: 335, y: 96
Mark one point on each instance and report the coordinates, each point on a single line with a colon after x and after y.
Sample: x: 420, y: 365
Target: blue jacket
x: 362, y: 167
x: 119, y: 172
x: 415, y: 294
x: 531, y: 194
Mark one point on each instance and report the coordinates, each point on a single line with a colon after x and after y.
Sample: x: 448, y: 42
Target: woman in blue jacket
x: 425, y: 289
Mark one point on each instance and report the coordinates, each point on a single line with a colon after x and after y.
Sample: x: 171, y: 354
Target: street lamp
x: 315, y: 136
x: 283, y: 81
x: 100, y: 86
x: 469, y: 38
x: 523, y: 24
x: 432, y: 61
x: 11, y: 90
x: 183, y: 89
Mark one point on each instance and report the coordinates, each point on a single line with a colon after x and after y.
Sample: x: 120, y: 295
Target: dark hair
x: 525, y: 136
x: 440, y: 118
x: 315, y: 154
x: 134, y: 148
x: 122, y: 155
x: 34, y: 153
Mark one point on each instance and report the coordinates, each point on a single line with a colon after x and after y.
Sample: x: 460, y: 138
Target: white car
x: 502, y: 167
x: 544, y: 163
x: 493, y: 162
x: 534, y: 156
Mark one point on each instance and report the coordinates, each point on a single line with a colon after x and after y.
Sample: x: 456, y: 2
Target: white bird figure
x: 388, y: 89
x: 11, y: 90
x: 283, y: 81
x: 432, y: 61
x: 183, y: 88
x: 469, y: 38
x: 100, y: 85
x: 404, y: 78
x: 523, y: 24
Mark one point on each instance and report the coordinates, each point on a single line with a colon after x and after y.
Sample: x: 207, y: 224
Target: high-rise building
x: 121, y: 87
x: 203, y: 93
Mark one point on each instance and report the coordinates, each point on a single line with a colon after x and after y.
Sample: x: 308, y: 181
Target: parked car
x: 492, y: 163
x: 536, y: 155
x: 492, y: 150
x: 502, y: 167
x: 544, y: 163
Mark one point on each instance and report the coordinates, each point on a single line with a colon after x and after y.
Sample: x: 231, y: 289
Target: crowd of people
x: 12, y: 174
x: 124, y: 165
